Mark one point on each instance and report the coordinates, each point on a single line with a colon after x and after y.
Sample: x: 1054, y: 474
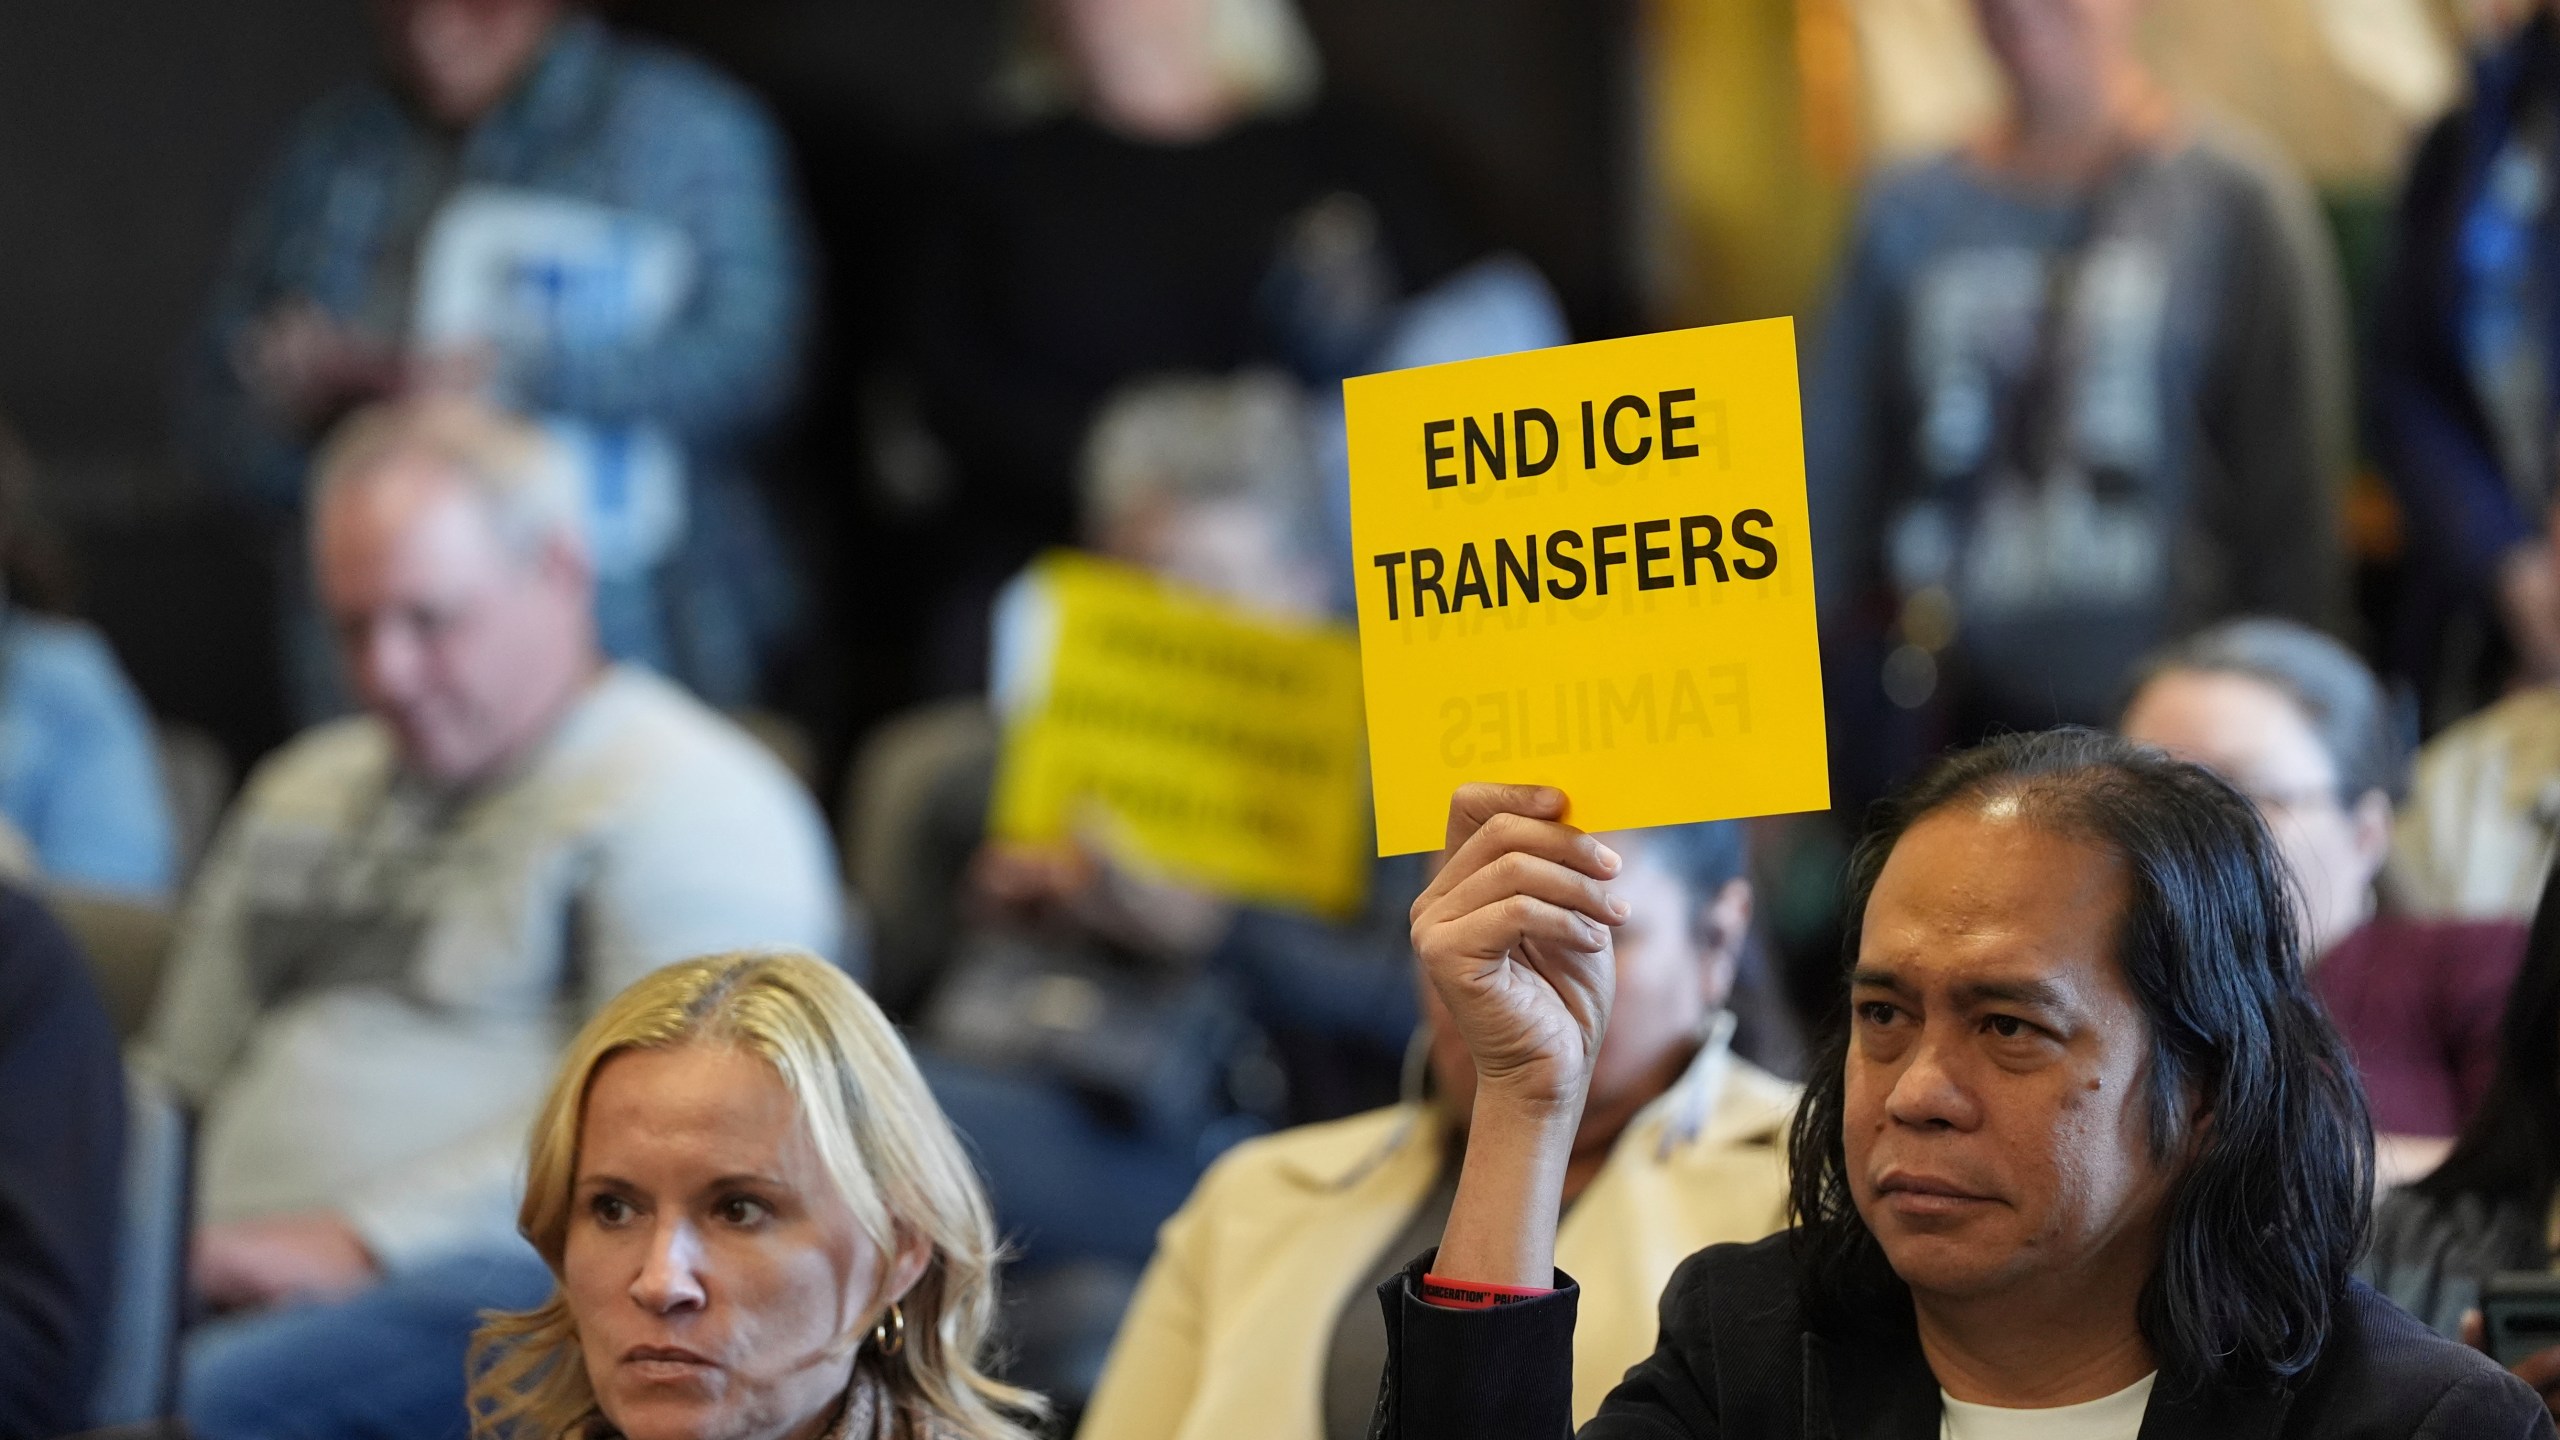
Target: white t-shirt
x: 2116, y: 1417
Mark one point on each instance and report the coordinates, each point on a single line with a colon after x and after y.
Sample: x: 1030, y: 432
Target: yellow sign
x: 1217, y: 747
x: 1589, y: 567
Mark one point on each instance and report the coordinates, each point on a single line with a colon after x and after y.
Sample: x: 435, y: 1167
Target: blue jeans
x: 384, y: 1365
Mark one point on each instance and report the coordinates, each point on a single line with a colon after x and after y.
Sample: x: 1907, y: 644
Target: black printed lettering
x: 1761, y: 568
x: 1558, y: 560
x: 1433, y: 477
x: 1609, y: 427
x: 1521, y: 420
x: 1647, y: 554
x: 1691, y: 552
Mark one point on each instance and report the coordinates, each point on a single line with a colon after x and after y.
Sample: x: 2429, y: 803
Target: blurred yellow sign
x: 1589, y: 567
x: 1212, y: 746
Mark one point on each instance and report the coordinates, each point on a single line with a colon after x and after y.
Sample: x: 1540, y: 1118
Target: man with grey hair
x: 2299, y: 725
x: 408, y: 912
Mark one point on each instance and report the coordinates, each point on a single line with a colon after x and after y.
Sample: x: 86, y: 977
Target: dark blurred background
x: 130, y: 130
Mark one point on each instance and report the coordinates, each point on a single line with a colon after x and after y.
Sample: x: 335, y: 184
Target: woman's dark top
x: 2430, y: 1257
x: 1072, y: 261
x: 1739, y: 1359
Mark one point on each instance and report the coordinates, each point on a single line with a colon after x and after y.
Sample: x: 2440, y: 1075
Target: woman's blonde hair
x: 879, y: 1135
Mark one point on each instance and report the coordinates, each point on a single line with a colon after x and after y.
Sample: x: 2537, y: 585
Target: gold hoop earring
x: 890, y: 1335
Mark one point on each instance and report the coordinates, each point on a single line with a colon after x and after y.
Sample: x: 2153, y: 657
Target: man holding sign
x: 1589, y: 567
x: 2082, y: 1158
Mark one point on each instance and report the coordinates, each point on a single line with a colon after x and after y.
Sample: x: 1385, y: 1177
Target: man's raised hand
x: 1514, y: 935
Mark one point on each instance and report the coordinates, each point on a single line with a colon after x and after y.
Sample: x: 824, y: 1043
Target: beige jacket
x: 1230, y: 1328
x: 2476, y: 840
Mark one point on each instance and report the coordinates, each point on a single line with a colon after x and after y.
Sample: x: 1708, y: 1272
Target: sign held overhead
x: 1589, y: 567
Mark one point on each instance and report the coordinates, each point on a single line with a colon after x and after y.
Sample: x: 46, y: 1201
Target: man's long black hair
x: 2274, y: 1188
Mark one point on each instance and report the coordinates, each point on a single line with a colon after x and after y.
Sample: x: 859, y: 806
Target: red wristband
x: 1473, y: 1294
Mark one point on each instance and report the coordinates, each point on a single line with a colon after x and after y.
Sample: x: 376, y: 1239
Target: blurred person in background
x: 2300, y: 726
x: 61, y: 1168
x: 524, y: 204
x: 1210, y: 484
x: 79, y: 768
x: 1099, y: 1031
x: 1176, y: 194
x: 2483, y: 820
x: 406, y: 913
x: 2465, y: 376
x: 2067, y: 402
x: 759, y: 1226
x: 2342, y: 86
x: 2488, y: 1208
x: 1258, y: 1313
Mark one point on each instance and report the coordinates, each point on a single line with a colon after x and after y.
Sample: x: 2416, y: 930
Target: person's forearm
x: 1502, y: 1227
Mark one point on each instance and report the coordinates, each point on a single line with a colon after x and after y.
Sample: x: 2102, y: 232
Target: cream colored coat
x: 1229, y: 1331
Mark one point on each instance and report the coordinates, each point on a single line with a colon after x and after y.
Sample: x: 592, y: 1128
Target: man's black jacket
x: 1737, y: 1360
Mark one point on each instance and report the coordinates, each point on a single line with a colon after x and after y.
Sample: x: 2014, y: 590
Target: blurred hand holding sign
x: 1215, y: 747
x: 537, y: 280
x: 1589, y: 567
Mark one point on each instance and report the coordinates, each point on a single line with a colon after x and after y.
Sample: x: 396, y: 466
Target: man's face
x: 1145, y: 66
x: 2057, y: 47
x: 2254, y: 736
x: 459, y: 58
x: 461, y: 646
x: 1998, y: 1090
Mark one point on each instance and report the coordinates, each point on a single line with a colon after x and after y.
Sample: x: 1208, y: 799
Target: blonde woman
x: 760, y: 1226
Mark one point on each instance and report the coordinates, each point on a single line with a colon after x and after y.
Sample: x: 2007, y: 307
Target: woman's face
x: 720, y: 1284
x: 2254, y: 736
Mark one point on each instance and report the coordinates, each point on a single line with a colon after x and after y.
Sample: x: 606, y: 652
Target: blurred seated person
x: 2464, y: 378
x: 408, y: 912
x: 2488, y: 1208
x: 2298, y: 724
x: 1091, y: 1134
x: 61, y: 1171
x: 577, y: 224
x: 757, y: 1224
x: 1174, y: 193
x: 2483, y: 819
x: 2342, y: 86
x: 2081, y: 1156
x: 79, y: 763
x: 2066, y: 403
x: 1258, y: 1314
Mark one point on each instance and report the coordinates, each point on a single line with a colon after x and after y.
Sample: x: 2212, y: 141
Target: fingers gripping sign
x: 1514, y: 934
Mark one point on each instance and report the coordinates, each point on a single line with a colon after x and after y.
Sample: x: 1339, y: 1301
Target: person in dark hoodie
x: 61, y: 1165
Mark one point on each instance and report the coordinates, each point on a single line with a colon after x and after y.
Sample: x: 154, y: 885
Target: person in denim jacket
x: 585, y: 227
